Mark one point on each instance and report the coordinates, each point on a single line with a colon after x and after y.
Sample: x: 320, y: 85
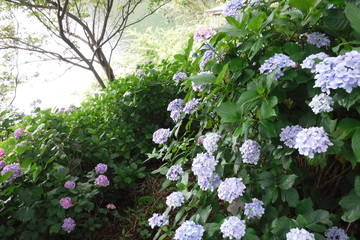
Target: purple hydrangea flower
x: 210, y: 142
x: 277, y: 63
x: 230, y: 189
x: 312, y: 140
x: 309, y: 62
x: 189, y: 230
x: 174, y: 173
x: 338, y: 72
x: 175, y: 199
x: 140, y: 72
x: 66, y: 202
x: 191, y: 106
x: 2, y: 164
x: 321, y: 103
x: 208, y: 55
x: 102, y: 181
x: 254, y: 209
x: 15, y: 169
x: 203, y: 34
x: 250, y: 152
x: 68, y: 225
x: 70, y: 184
x: 204, y: 165
x: 336, y: 233
x: 232, y: 7
x: 197, y: 87
x: 176, y: 105
x: 179, y: 76
x: 299, y: 234
x: 18, y: 132
x: 201, y: 139
x: 111, y: 206
x: 101, y: 168
x: 209, y: 183
x: 233, y: 227
x: 175, y: 115
x: 158, y: 220
x: 288, y: 135
x: 2, y: 153
x: 318, y: 39
x: 161, y: 135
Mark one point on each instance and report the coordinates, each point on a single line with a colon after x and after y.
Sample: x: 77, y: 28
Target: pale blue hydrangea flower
x: 336, y: 233
x: 250, y: 152
x: 2, y: 164
x: 179, y: 76
x: 176, y: 105
x: 15, y: 169
x: 254, y: 209
x: 175, y: 199
x: 189, y: 230
x: 299, y: 234
x: 338, y: 72
x: 321, y: 103
x: 230, y: 189
x: 312, y: 140
x: 288, y: 135
x: 276, y: 63
x: 209, y: 183
x: 197, y: 87
x: 254, y: 3
x: 310, y: 63
x: 161, y: 135
x: 191, y: 106
x: 208, y: 55
x: 174, y: 173
x: 232, y: 7
x: 210, y: 142
x: 158, y: 220
x: 175, y: 115
x: 68, y: 225
x: 233, y: 228
x: 204, y: 165
x: 318, y: 39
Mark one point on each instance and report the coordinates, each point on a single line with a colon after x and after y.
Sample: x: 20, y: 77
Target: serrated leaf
x: 221, y: 75
x: 318, y: 216
x: 25, y: 214
x: 305, y: 206
x: 256, y: 22
x: 303, y: 5
x: 291, y: 196
x: 203, y: 79
x: 351, y: 205
x: 286, y: 181
x: 267, y: 107
x: 229, y: 112
x: 355, y: 144
x: 232, y: 32
x: 352, y: 13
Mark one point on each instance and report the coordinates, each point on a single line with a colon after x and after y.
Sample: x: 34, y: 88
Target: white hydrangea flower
x: 321, y: 103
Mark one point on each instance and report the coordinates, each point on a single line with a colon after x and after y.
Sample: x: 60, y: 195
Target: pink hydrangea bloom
x: 2, y: 153
x: 70, y: 184
x: 110, y: 206
x: 101, y: 168
x: 203, y: 34
x: 18, y: 132
x: 102, y: 180
x: 66, y: 202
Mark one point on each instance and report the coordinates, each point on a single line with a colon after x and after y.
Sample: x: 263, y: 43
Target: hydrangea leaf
x: 355, y: 144
x: 318, y: 216
x: 351, y: 205
x: 291, y: 196
x: 256, y: 22
x: 232, y: 32
x: 357, y: 186
x: 203, y: 79
x: 267, y: 107
x: 287, y: 181
x: 352, y: 13
x: 303, y: 5
x: 24, y: 214
x: 229, y: 112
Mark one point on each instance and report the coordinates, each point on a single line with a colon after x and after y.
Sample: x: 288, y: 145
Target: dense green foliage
x: 240, y: 103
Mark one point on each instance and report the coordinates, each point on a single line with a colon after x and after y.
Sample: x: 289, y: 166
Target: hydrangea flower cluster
x: 101, y: 168
x: 204, y: 165
x: 338, y: 72
x: 2, y: 153
x: 175, y: 107
x: 198, y: 87
x: 191, y: 106
x: 232, y: 7
x: 140, y: 72
x: 70, y: 184
x: 254, y: 209
x: 18, y: 133
x: 230, y: 189
x: 203, y: 34
x: 318, y: 39
x: 102, y: 181
x: 15, y: 169
x: 66, y: 202
x: 276, y: 63
x: 210, y: 142
x: 175, y: 199
x: 189, y: 230
x: 312, y: 140
x: 2, y: 164
x: 179, y: 76
x: 208, y: 55
x: 288, y: 135
x: 209, y: 183
x: 250, y: 152
x: 299, y: 234
x: 68, y: 225
x: 110, y: 206
x: 233, y: 227
x: 161, y: 135
x: 310, y: 63
x: 336, y: 233
x: 321, y: 103
x: 174, y: 173
x: 158, y: 220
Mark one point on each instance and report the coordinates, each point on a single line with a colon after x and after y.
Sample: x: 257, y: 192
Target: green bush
x: 241, y: 101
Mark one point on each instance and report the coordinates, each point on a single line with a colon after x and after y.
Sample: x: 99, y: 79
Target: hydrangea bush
x: 278, y: 124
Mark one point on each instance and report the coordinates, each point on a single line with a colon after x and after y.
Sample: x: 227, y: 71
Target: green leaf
x: 303, y: 5
x: 286, y: 181
x: 357, y: 186
x: 221, y: 75
x: 189, y: 47
x: 24, y: 214
x: 318, y: 216
x: 229, y: 112
x: 232, y: 32
x: 203, y: 79
x: 355, y: 144
x: 305, y: 206
x: 256, y: 22
x: 267, y: 129
x: 233, y: 22
x: 266, y: 179
x: 247, y: 97
x: 55, y: 228
x: 351, y: 205
x: 352, y: 13
x: 267, y: 107
x: 291, y: 196
x: 280, y: 226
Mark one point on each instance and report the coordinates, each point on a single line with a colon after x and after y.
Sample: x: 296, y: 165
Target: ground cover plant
x: 66, y: 174
x: 266, y: 142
